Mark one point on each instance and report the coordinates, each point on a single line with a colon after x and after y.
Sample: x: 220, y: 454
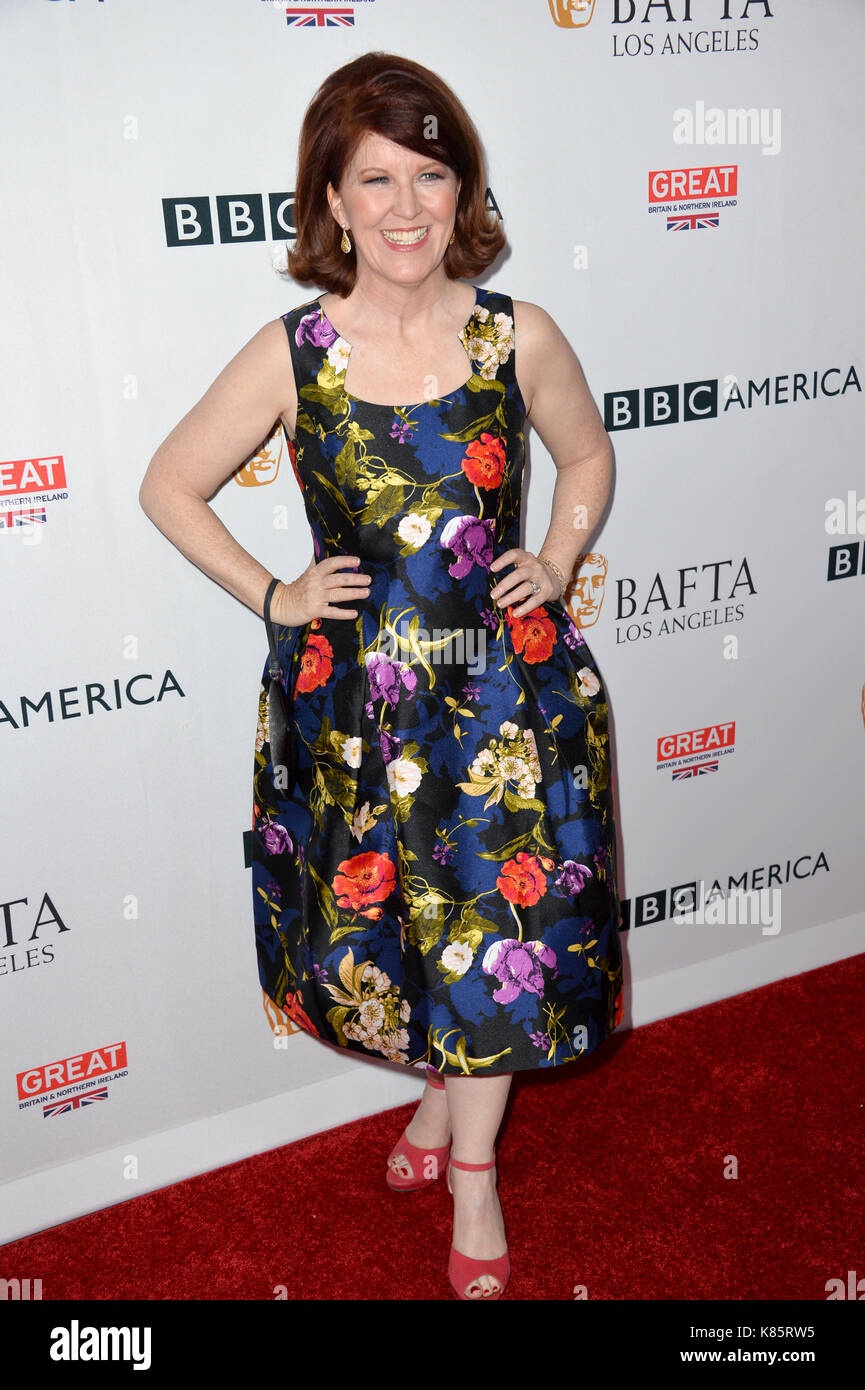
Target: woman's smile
x: 405, y: 240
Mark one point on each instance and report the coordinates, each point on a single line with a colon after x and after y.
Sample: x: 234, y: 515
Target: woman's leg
x: 429, y: 1128
x: 476, y: 1105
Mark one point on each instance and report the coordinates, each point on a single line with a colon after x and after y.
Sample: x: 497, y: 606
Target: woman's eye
x: 428, y: 174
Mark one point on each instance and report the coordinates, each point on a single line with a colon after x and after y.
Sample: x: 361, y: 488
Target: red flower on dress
x: 292, y: 454
x: 484, y: 464
x: 522, y: 880
x: 533, y: 635
x: 619, y: 1009
x: 363, y: 880
x: 296, y: 1013
x: 316, y: 665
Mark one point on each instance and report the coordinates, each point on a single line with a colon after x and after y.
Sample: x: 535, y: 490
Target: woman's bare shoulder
x: 532, y: 323
x: 538, y: 341
x: 274, y: 344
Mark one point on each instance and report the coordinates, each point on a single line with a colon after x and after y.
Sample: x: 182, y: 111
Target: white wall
x: 132, y: 819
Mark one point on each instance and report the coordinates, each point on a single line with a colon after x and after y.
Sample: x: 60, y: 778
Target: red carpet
x: 611, y: 1174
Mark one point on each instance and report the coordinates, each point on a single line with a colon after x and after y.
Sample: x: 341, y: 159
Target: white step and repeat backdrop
x: 681, y: 185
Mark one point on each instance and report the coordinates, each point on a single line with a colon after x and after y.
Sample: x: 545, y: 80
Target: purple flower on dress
x: 540, y: 1039
x: 443, y: 852
x: 390, y: 746
x: 275, y: 838
x: 601, y: 857
x: 573, y: 636
x: 489, y: 618
x: 472, y: 692
x: 471, y: 540
x: 386, y: 676
x: 573, y: 877
x: 315, y: 329
x: 517, y: 965
x: 319, y: 973
x: 400, y: 431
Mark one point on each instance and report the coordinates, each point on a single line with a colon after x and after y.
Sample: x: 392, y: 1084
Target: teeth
x: 406, y: 238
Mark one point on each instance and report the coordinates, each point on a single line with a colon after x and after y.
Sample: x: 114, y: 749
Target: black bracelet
x: 273, y: 668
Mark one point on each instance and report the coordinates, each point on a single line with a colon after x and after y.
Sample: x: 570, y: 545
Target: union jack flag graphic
x: 23, y: 517
x: 62, y: 1107
x: 318, y: 19
x: 696, y: 771
x: 692, y: 221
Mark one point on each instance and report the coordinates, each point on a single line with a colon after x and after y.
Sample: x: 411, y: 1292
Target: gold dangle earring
x: 345, y: 244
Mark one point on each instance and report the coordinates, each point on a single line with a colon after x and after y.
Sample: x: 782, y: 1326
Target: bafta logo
x: 572, y: 14
x: 263, y: 466
x: 585, y: 594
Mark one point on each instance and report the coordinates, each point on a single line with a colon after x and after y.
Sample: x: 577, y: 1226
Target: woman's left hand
x: 518, y: 584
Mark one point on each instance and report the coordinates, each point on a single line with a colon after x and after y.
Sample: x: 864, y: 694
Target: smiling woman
x: 433, y: 847
x: 414, y: 110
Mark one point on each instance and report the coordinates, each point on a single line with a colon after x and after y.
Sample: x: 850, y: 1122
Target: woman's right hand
x: 316, y: 592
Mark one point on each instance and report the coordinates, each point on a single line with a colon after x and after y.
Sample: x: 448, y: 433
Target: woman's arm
x: 233, y: 417
x: 560, y: 407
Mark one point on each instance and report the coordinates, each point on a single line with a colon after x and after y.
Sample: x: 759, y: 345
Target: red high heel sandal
x: 465, y: 1270
x: 418, y: 1158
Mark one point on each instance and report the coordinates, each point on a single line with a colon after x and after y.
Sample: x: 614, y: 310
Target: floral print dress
x: 437, y: 885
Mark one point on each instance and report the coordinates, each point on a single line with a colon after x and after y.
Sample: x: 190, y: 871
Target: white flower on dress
x: 508, y: 729
x: 513, y: 768
x: 485, y: 758
x: 403, y: 776
x: 352, y: 750
x: 414, y: 529
x: 371, y: 1014
x: 489, y: 361
x: 380, y: 981
x: 517, y: 770
x: 490, y: 350
x: 338, y: 354
x: 504, y: 335
x: 532, y: 753
x: 457, y: 957
x: 589, y: 683
x: 405, y: 1011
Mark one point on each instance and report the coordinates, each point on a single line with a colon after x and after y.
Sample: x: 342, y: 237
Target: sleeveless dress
x: 437, y: 886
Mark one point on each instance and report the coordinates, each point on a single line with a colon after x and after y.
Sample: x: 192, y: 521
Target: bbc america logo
x: 698, y: 400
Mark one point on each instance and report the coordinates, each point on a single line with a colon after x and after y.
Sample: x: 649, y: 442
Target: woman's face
x: 400, y: 208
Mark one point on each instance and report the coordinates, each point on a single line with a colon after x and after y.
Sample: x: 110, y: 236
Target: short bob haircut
x: 384, y: 94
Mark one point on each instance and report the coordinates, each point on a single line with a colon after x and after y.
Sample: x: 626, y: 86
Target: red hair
x: 384, y: 94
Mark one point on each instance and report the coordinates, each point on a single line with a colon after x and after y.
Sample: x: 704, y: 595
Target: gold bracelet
x: 556, y: 571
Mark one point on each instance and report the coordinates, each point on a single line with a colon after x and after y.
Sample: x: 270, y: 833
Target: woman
x: 434, y: 874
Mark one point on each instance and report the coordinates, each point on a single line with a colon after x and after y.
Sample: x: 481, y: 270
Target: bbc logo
x: 844, y: 560
x: 239, y: 217
x: 662, y: 405
x: 652, y: 907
